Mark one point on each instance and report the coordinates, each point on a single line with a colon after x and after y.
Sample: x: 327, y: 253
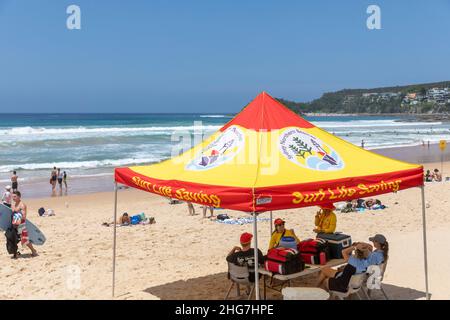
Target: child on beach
x: 6, y: 198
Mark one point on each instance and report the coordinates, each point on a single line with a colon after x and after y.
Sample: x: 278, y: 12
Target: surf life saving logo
x: 308, y: 151
x: 221, y: 150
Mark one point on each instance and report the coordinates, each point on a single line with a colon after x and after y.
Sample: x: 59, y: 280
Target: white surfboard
x: 35, y: 235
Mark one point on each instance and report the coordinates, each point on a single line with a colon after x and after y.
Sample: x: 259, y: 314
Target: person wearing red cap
x: 325, y: 219
x: 245, y: 255
x: 280, y: 232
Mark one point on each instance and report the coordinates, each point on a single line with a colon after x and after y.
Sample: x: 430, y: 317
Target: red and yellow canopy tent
x: 269, y: 158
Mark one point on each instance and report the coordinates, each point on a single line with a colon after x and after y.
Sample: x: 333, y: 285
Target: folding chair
x: 369, y: 291
x: 239, y: 276
x: 354, y: 286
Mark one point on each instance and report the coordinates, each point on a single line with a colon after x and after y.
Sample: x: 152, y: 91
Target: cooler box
x: 288, y: 242
x: 336, y: 242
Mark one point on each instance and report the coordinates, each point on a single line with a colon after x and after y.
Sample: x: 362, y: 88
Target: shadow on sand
x: 215, y: 286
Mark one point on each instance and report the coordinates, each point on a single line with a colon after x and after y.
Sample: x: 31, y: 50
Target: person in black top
x: 245, y: 256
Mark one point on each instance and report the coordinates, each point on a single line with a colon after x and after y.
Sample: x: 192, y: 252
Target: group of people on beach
x: 58, y: 176
x: 361, y: 204
x: 435, y: 176
x: 357, y: 258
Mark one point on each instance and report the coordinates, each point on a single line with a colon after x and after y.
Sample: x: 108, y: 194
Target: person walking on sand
x: 6, y: 198
x: 53, y: 178
x: 60, y: 179
x: 191, y: 208
x: 362, y: 144
x: 65, y: 179
x: 19, y: 210
x: 14, y: 181
x: 211, y: 211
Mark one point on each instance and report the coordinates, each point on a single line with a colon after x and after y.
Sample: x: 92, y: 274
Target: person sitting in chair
x: 325, y: 219
x: 337, y: 280
x: 378, y: 252
x: 280, y: 232
x: 245, y: 255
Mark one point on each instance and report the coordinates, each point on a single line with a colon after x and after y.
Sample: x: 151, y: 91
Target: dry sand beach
x: 183, y: 257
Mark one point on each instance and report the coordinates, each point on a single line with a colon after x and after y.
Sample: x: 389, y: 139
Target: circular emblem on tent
x: 308, y: 151
x: 221, y: 150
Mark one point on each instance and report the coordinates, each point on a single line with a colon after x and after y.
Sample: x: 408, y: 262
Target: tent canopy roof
x: 269, y: 158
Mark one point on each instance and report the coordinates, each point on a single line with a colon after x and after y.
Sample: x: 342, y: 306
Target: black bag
x: 41, y: 211
x: 12, y: 239
x: 222, y: 216
x: 283, y: 261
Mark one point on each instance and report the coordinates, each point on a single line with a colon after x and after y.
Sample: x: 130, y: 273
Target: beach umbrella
x: 269, y: 158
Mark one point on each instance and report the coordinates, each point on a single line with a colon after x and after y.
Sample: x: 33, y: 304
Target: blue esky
x: 210, y: 56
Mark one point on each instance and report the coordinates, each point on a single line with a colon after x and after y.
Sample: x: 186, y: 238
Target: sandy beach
x: 183, y: 257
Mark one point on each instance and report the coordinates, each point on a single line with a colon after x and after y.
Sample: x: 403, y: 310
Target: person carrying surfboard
x: 19, y: 208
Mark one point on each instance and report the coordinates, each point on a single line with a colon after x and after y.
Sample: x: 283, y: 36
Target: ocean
x: 91, y: 145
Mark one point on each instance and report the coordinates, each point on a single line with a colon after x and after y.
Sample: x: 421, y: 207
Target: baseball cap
x: 8, y: 187
x: 246, y: 238
x: 278, y: 221
x: 328, y: 206
x: 378, y: 238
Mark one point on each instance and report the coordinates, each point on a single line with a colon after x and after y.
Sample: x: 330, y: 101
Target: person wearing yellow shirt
x: 325, y: 219
x: 281, y: 231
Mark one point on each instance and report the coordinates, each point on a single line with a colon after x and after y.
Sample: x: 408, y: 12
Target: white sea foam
x: 214, y: 116
x: 18, y: 131
x: 78, y: 164
x: 371, y: 123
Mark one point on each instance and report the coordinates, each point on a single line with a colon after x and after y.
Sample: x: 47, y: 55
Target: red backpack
x: 310, y: 250
x: 283, y: 261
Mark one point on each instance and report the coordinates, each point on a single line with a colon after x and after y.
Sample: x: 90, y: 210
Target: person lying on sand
x: 124, y: 219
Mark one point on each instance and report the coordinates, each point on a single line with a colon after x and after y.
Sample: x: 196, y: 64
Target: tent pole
x: 255, y: 234
x: 424, y: 225
x: 114, y: 242
x: 271, y: 223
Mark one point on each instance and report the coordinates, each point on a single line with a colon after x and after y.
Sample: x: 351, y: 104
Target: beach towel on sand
x: 241, y: 221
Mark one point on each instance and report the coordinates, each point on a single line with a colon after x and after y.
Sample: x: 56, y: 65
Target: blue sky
x: 210, y: 56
